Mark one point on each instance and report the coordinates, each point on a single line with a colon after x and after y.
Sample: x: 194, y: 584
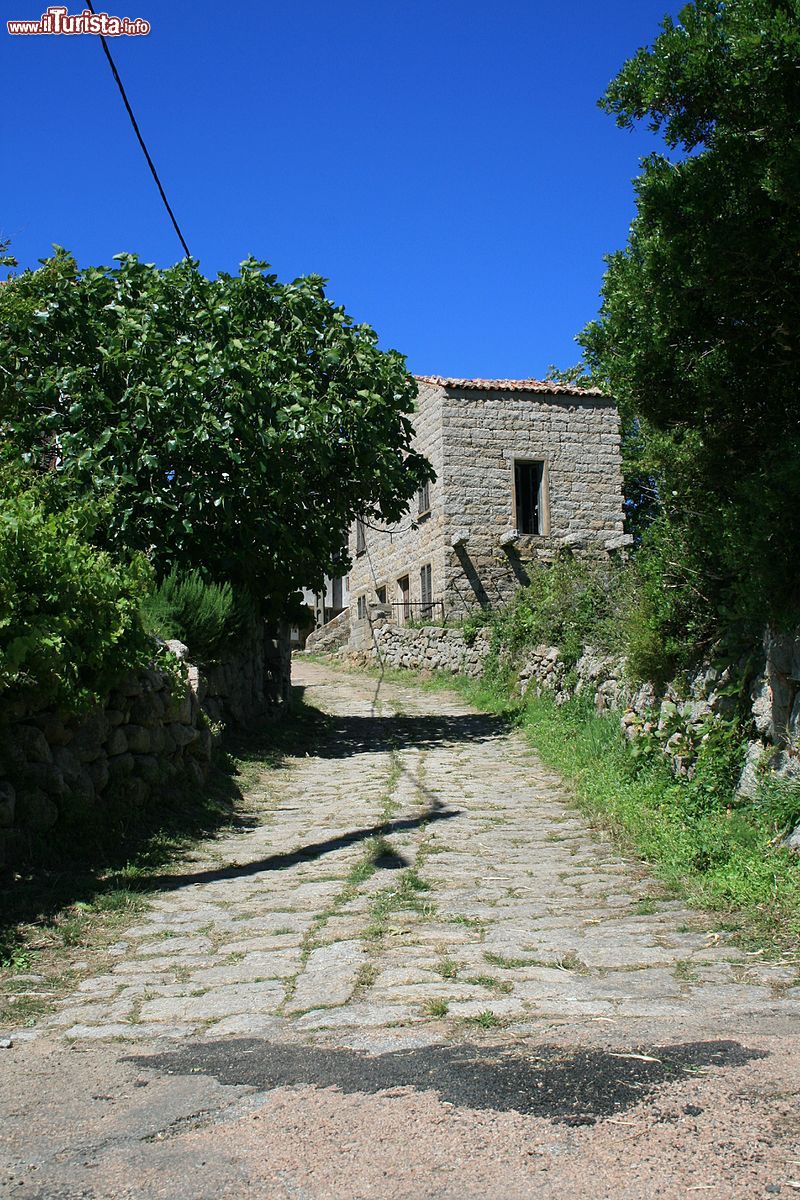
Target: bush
x: 205, y: 616
x: 570, y: 604
x: 69, y: 613
x: 236, y: 424
x: 642, y: 609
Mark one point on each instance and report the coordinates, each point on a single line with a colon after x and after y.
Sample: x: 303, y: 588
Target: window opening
x: 528, y: 477
x: 426, y: 594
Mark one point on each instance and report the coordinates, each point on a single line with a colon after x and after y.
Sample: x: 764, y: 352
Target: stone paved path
x: 417, y: 976
x: 487, y: 898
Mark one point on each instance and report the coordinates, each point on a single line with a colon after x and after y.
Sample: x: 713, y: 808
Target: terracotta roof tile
x: 509, y: 385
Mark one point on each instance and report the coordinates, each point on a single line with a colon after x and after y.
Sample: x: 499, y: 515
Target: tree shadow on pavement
x: 314, y: 850
x: 346, y: 736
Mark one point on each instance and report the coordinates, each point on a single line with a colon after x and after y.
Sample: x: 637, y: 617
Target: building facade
x: 523, y: 468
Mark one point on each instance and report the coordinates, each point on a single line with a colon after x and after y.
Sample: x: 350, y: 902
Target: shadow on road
x: 315, y: 850
x: 346, y: 736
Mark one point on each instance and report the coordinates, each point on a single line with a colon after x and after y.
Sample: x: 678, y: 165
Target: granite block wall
x: 577, y: 439
x: 154, y: 727
x: 399, y: 550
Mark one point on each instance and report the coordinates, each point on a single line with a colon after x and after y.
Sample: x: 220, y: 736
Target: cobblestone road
x: 421, y: 867
x: 416, y: 975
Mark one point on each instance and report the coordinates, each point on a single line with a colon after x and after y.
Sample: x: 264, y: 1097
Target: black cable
x: 138, y: 133
x: 391, y: 532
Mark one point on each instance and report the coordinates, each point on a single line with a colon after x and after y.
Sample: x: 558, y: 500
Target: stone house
x: 523, y: 468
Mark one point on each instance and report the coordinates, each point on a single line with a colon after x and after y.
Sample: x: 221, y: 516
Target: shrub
x: 204, y: 615
x: 69, y: 613
x: 571, y: 603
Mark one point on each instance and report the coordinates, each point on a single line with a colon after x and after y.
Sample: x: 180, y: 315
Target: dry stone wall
x: 428, y: 648
x: 331, y: 636
x: 679, y: 716
x: 154, y: 727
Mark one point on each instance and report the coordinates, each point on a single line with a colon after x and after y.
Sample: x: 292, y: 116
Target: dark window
x: 404, y: 588
x: 381, y: 594
x: 424, y: 499
x: 361, y: 536
x: 362, y: 607
x: 336, y: 598
x: 528, y: 478
x: 425, y: 592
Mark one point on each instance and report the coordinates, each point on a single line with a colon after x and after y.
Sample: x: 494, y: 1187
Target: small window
x: 424, y: 500
x: 381, y: 594
x: 362, y: 607
x: 361, y: 536
x: 425, y: 592
x: 528, y: 480
x: 404, y: 588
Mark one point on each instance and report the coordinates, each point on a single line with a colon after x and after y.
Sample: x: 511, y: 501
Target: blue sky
x: 442, y: 162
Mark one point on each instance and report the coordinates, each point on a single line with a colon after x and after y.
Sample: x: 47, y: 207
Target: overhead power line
x: 141, y: 140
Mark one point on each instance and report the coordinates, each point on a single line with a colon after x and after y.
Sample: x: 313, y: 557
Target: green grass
x: 404, y: 896
x: 484, y: 1020
x: 447, y: 968
x: 501, y: 960
x: 490, y: 982
x: 436, y: 1008
x: 568, y: 961
x: 721, y: 857
x: 476, y: 923
x: 367, y: 974
x: 718, y: 857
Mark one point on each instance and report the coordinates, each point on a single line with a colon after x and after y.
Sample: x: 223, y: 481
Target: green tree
x: 69, y: 613
x: 699, y: 329
x: 237, y: 425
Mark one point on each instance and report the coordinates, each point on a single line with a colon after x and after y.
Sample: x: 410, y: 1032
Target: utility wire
x: 391, y: 532
x: 141, y: 140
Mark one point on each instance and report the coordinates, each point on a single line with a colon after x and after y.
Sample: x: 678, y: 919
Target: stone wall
x: 400, y: 550
x: 576, y: 436
x: 252, y: 680
x: 679, y: 714
x: 331, y: 636
x: 429, y: 648
x: 154, y: 727
x: 473, y: 435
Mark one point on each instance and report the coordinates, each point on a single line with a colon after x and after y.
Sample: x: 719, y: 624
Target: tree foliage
x: 236, y: 425
x: 699, y: 329
x: 69, y: 613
